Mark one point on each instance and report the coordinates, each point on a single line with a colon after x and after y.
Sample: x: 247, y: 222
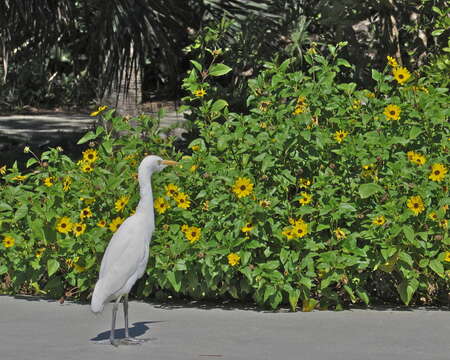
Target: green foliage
x: 310, y: 199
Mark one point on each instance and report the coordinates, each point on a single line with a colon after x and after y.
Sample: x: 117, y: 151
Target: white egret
x: 126, y: 256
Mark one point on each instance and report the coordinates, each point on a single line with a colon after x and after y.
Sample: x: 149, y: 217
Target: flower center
x: 416, y: 205
x: 63, y: 225
x: 400, y: 76
x: 193, y: 234
x: 242, y: 187
x: 436, y: 172
x: 392, y: 112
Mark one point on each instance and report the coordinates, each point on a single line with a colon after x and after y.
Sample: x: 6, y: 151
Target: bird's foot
x: 133, y: 341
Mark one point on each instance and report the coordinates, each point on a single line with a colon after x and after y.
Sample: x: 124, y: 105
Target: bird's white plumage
x: 126, y: 256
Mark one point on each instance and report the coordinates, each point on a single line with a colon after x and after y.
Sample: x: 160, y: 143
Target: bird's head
x: 155, y: 163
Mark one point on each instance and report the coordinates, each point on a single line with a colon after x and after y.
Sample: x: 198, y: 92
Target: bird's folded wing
x: 123, y: 256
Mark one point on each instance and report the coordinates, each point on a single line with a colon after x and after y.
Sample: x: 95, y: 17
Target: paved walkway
x: 38, y: 126
x: 33, y: 329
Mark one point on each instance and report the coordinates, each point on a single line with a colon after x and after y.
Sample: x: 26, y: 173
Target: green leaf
x: 218, y: 105
x: 276, y: 300
x: 3, y: 269
x: 294, y: 295
x: 31, y: 161
x: 377, y: 76
x: 406, y: 290
x: 362, y: 294
x: 366, y: 190
x: 219, y: 70
x: 409, y: 233
x: 437, y: 267
x: 173, y: 281
x: 197, y: 65
x: 438, y: 32
x: 268, y: 292
x: 87, y: 137
x: 343, y: 62
x: 5, y: 207
x: 52, y: 266
x: 21, y: 212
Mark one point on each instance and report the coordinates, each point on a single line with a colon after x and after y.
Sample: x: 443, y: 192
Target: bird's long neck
x: 145, y: 189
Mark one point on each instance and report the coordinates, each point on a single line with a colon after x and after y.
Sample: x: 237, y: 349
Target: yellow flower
x: 26, y: 149
x: 447, y: 256
x: 49, y: 181
x: 66, y: 183
x: 200, y: 93
x: 90, y: 156
x: 392, y: 112
x: 242, y: 187
x: 39, y: 252
x: 161, y: 205
x: 300, y: 229
x: 182, y: 200
x: 64, y: 225
x: 401, y: 74
x: 416, y: 158
x: 288, y: 233
x: 247, y: 228
x: 101, y: 223
x: 184, y: 228
x: 433, y: 216
x: 415, y: 204
x: 264, y: 203
x: 356, y: 104
x: 379, y: 220
x: 340, y: 234
x: 86, y: 213
x: 205, y: 205
x: 79, y: 268
x: 264, y: 105
x: 79, y: 228
x: 99, y: 110
x: 193, y: 168
x: 233, y: 259
x: 438, y: 172
x: 299, y: 109
x: 19, y: 178
x: 443, y: 223
x: 114, y: 225
x: 172, y: 190
x: 86, y: 167
x: 195, y: 147
x: 305, y: 198
x: 121, y: 203
x: 193, y: 234
x: 340, y: 135
x: 8, y: 241
x: 304, y: 183
x: 392, y: 61
x: 3, y: 170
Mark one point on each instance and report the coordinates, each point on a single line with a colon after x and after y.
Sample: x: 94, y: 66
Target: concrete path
x: 34, y: 126
x: 33, y: 329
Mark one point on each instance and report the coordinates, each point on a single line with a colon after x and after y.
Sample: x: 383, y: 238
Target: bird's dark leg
x: 129, y: 340
x: 125, y: 314
x: 113, y: 323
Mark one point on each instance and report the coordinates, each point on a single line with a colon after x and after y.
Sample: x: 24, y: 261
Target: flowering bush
x: 321, y: 195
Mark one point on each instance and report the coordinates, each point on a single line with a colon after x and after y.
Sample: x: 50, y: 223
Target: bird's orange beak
x: 169, y: 162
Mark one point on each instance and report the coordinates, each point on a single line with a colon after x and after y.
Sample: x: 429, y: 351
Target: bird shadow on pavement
x: 138, y: 329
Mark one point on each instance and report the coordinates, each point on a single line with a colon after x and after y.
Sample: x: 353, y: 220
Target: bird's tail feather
x: 98, y: 301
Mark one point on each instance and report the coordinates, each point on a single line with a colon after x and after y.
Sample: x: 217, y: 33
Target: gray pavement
x: 33, y: 126
x: 33, y: 329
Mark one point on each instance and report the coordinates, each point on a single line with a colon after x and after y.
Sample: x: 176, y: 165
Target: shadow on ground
x: 138, y: 329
